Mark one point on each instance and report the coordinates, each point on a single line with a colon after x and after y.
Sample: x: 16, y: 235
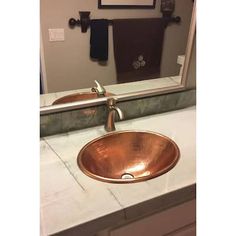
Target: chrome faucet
x: 112, y: 110
x: 100, y: 90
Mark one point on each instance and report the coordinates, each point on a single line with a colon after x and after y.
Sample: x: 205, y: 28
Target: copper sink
x: 78, y: 97
x: 128, y: 156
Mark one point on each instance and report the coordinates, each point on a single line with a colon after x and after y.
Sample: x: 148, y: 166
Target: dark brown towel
x: 138, y: 48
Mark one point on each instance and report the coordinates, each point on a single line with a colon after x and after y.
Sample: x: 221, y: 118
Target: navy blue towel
x: 99, y: 39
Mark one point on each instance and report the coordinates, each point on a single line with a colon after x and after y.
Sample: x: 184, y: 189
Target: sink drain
x: 127, y: 176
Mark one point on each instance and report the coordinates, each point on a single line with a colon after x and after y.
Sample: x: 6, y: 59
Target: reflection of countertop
x: 70, y: 199
x: 49, y: 98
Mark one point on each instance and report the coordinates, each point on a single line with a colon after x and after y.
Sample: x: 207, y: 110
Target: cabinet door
x: 188, y: 230
x: 176, y: 221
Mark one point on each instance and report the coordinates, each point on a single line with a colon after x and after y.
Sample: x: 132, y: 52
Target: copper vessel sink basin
x: 78, y: 97
x: 128, y: 156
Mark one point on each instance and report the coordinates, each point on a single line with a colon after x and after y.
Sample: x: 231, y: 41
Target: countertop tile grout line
x: 65, y: 165
x: 114, y: 196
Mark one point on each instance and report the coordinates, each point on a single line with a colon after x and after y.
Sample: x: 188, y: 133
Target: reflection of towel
x: 138, y: 48
x: 99, y: 39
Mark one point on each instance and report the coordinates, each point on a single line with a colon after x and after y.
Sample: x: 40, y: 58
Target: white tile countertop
x: 79, y: 205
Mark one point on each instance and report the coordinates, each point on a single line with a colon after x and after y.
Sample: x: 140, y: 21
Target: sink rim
x: 137, y: 179
x: 58, y: 100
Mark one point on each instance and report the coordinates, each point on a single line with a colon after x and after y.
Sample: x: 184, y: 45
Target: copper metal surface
x: 78, y: 97
x: 128, y: 156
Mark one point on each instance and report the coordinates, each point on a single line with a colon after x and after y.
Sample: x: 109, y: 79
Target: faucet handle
x: 112, y: 110
x: 100, y: 90
x: 111, y: 102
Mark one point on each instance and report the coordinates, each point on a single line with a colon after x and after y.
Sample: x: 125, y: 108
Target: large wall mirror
x: 67, y: 68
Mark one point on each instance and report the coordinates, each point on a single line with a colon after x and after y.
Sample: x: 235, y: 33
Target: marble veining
x: 75, y: 203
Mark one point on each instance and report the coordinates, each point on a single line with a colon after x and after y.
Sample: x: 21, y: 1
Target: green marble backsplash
x: 87, y: 117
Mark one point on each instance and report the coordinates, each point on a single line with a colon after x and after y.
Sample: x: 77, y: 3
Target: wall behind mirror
x: 66, y: 65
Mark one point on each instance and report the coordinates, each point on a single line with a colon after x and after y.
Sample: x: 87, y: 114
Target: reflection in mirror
x: 138, y: 57
x: 96, y: 92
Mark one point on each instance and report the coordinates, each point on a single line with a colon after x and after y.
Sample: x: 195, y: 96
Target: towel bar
x: 84, y: 21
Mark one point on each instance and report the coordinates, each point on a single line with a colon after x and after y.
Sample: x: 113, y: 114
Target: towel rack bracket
x: 84, y: 21
x: 172, y: 19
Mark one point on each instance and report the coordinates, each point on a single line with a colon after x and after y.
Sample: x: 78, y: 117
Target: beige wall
x: 67, y: 63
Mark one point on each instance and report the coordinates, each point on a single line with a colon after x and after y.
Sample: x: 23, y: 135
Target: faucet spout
x: 100, y: 90
x: 112, y: 110
x: 119, y: 112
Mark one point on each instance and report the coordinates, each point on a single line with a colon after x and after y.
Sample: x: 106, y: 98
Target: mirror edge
x: 191, y: 35
x: 139, y: 94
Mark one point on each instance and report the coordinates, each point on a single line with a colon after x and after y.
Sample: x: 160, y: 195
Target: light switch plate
x: 56, y: 35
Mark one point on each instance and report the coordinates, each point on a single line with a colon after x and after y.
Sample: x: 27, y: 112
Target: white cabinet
x: 176, y: 221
